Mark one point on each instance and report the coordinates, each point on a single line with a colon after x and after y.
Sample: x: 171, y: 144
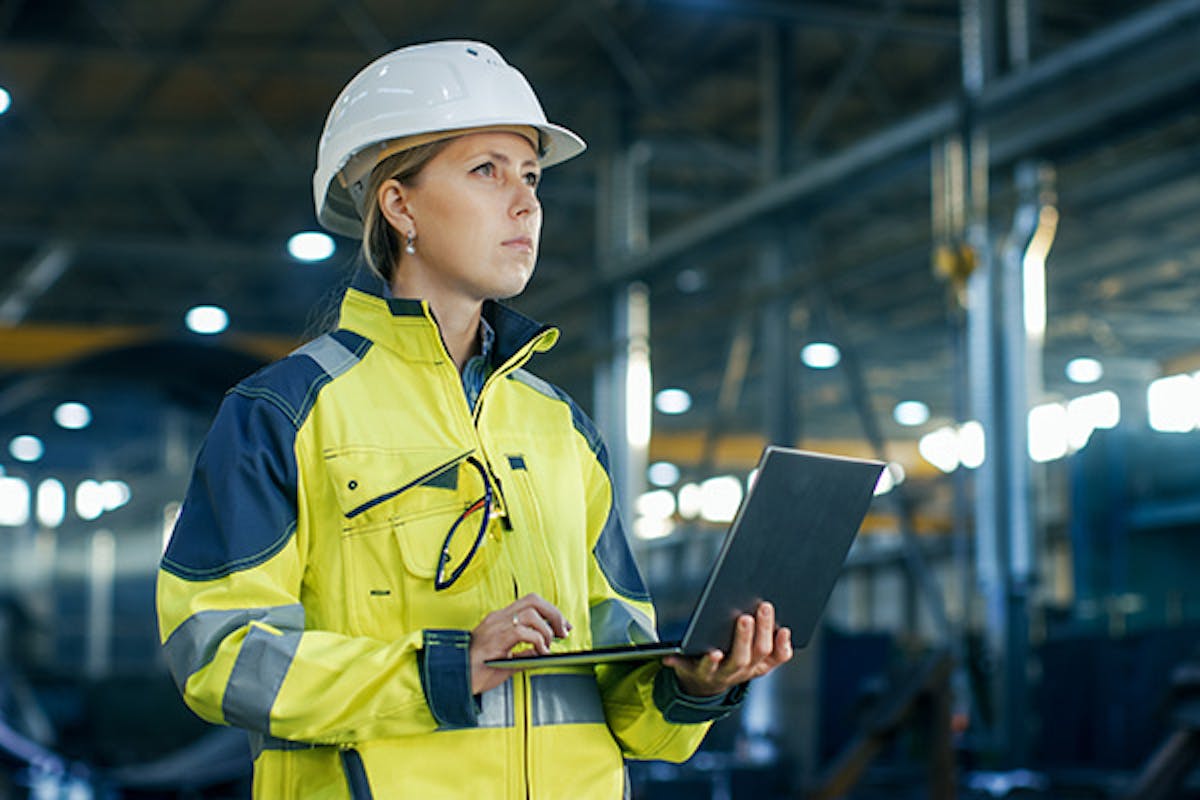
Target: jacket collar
x: 408, y: 326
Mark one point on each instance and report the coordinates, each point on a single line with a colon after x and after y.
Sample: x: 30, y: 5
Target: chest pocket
x: 397, y: 507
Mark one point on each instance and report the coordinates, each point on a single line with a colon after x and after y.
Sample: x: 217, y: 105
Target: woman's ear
x: 393, y: 205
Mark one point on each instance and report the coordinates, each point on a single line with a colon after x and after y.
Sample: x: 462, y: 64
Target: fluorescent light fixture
x: 637, y: 399
x: 1084, y: 370
x: 311, y: 246
x: 653, y: 527
x: 892, y: 476
x: 14, y: 501
x: 51, y: 503
x: 673, y: 401
x: 89, y: 500
x: 207, y: 320
x: 26, y: 448
x: 657, y: 504
x: 820, y: 355
x: 691, y: 498
x: 911, y: 413
x: 971, y: 446
x: 1172, y: 403
x: 663, y: 473
x: 73, y: 416
x: 940, y: 448
x: 1034, y: 272
x: 1089, y: 412
x: 948, y: 447
x: 1047, y: 427
x: 5, y: 100
x: 720, y: 498
x: 115, y: 494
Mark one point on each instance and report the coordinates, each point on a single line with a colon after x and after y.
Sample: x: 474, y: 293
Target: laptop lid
x: 787, y: 545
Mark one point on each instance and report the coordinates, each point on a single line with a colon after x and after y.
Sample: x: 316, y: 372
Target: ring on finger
x: 516, y: 621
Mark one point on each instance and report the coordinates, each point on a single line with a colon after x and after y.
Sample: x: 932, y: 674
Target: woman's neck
x: 457, y: 319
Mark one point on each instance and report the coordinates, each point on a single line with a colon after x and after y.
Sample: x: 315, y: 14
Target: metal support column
x: 623, y: 384
x: 996, y: 342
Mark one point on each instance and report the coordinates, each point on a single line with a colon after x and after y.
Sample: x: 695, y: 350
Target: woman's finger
x: 739, y: 654
x: 764, y: 631
x: 530, y: 618
x: 549, y: 612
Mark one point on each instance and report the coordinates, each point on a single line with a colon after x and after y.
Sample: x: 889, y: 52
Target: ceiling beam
x: 1127, y: 43
x: 37, y: 276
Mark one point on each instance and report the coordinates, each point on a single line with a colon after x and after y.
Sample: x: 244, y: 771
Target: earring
x: 408, y: 244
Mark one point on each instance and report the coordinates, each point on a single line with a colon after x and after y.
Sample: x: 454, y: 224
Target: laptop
x: 787, y: 544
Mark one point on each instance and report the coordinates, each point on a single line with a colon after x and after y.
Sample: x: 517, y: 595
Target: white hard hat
x: 440, y: 87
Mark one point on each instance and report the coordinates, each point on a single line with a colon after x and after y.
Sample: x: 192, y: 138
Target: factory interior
x: 957, y: 236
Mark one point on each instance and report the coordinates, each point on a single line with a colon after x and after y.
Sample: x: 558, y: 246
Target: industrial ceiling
x: 157, y: 156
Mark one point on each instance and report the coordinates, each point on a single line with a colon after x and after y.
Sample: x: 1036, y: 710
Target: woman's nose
x: 525, y: 201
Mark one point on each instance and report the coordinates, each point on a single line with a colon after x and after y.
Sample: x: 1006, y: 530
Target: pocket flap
x: 366, y: 479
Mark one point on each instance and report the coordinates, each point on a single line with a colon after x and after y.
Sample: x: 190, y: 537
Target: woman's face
x: 476, y: 216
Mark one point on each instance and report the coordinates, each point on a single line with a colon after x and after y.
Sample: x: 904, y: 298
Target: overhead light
x: 89, y: 500
x: 891, y: 477
x: 26, y: 448
x: 690, y: 498
x: 1084, y: 370
x: 207, y: 319
x: 311, y: 246
x: 1172, y: 403
x: 5, y: 100
x: 14, y: 501
x: 720, y: 498
x: 51, y: 503
x: 663, y: 473
x: 1047, y: 427
x: 673, y: 401
x: 73, y: 416
x: 820, y: 355
x: 690, y: 280
x: 911, y: 413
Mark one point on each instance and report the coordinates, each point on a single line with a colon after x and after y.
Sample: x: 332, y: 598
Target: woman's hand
x: 757, y: 649
x: 531, y: 619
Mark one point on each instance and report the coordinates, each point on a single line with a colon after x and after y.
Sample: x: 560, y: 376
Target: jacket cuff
x: 679, y: 707
x: 444, y: 663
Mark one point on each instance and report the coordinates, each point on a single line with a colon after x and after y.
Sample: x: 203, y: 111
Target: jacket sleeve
x: 229, y: 601
x: 644, y: 706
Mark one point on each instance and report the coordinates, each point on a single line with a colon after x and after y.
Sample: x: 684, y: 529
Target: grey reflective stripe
x: 193, y: 644
x: 534, y: 382
x: 566, y: 699
x: 257, y: 675
x: 497, y: 711
x: 615, y: 623
x: 330, y: 355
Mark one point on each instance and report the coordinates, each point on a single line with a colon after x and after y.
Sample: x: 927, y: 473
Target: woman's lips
x: 523, y: 243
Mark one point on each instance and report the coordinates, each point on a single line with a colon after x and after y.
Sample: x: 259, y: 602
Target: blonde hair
x: 381, y: 242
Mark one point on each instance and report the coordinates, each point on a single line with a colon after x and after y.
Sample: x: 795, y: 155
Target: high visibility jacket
x: 297, y: 597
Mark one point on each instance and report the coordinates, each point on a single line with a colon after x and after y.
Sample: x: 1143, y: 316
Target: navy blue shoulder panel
x: 240, y: 508
x: 612, y: 551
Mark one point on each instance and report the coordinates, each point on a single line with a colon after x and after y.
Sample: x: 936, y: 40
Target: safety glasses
x: 482, y: 507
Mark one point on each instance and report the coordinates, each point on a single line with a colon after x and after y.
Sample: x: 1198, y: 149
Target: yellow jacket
x: 296, y: 598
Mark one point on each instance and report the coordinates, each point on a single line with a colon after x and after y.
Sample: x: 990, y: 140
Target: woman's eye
x: 532, y: 178
x: 486, y: 169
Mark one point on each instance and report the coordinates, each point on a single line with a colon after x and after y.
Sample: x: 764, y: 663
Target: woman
x: 374, y: 517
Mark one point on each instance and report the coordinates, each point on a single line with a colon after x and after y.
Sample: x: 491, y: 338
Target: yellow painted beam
x: 38, y: 346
